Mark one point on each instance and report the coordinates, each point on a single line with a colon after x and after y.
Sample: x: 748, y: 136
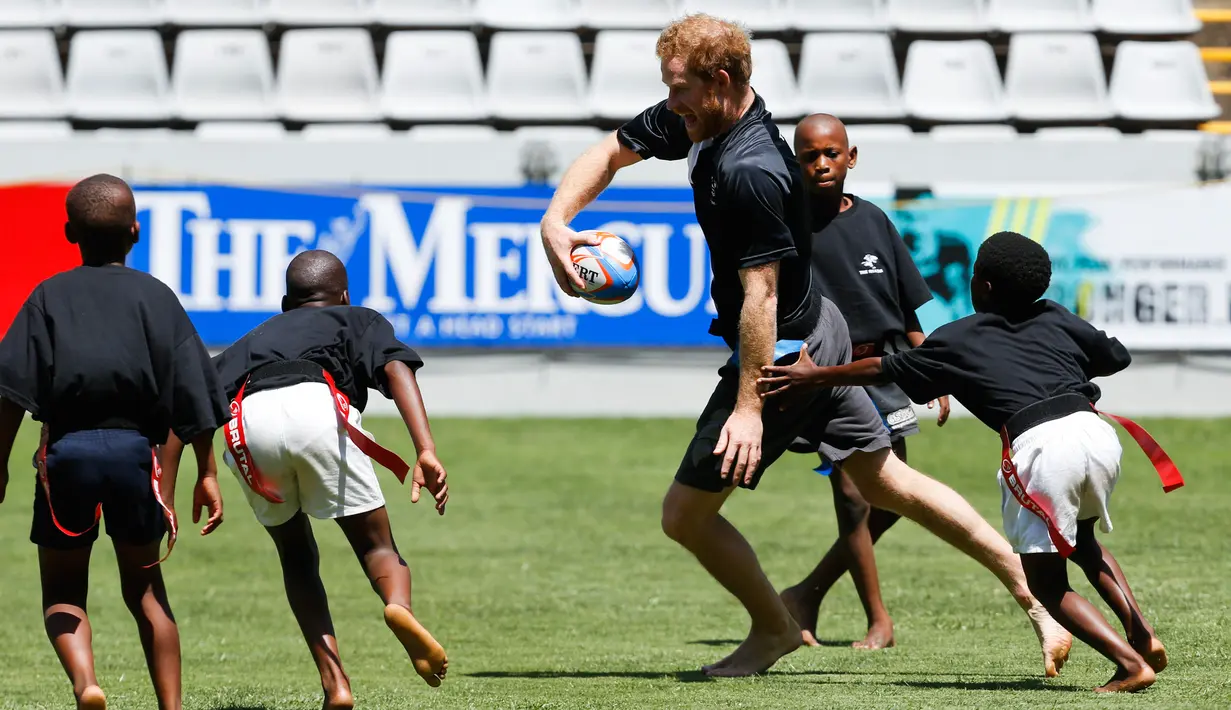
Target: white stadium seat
x: 16, y: 131
x: 879, y: 132
x: 328, y: 75
x: 223, y: 74
x: 134, y: 134
x: 626, y: 14
x: 1146, y: 17
x: 537, y: 76
x: 757, y: 15
x: 528, y: 14
x: 953, y: 81
x: 625, y: 77
x: 423, y: 13
x: 553, y: 134
x: 1056, y: 77
x: 935, y: 16
x: 1172, y: 135
x: 773, y: 78
x: 451, y: 91
x: 239, y: 130
x: 1040, y: 15
x: 218, y: 13
x: 452, y: 134
x: 1079, y: 133
x: 30, y: 78
x: 346, y: 132
x: 118, y: 75
x: 851, y: 75
x: 976, y: 132
x: 838, y: 15
x: 296, y: 13
x: 30, y: 13
x: 113, y: 13
x: 1161, y: 81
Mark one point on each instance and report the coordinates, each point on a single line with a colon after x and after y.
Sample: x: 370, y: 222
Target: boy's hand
x: 206, y: 496
x: 777, y: 380
x: 430, y: 473
x: 943, y: 415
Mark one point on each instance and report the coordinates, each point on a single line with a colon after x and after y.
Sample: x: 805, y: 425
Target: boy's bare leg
x: 1105, y: 575
x: 1047, y: 574
x: 859, y: 527
x: 371, y: 538
x: 691, y: 518
x: 65, y: 576
x: 146, y: 598
x: 305, y: 592
x: 888, y: 483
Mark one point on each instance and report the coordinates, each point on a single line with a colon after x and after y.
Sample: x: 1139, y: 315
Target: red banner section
x: 32, y: 232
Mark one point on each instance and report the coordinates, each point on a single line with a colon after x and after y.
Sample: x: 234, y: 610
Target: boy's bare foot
x: 92, y: 698
x: 755, y: 655
x: 1153, y: 653
x: 1128, y: 681
x: 802, y: 612
x: 338, y: 699
x: 427, y: 656
x: 880, y: 635
x: 1054, y: 639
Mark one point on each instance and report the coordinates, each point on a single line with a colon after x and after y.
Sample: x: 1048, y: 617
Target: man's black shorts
x: 85, y: 468
x: 839, y: 421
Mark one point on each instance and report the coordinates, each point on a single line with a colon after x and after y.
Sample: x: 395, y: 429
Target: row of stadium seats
x: 324, y: 75
x: 1131, y: 17
x: 264, y: 131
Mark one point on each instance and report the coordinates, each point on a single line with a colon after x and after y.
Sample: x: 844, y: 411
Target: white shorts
x: 1070, y: 466
x: 295, y: 441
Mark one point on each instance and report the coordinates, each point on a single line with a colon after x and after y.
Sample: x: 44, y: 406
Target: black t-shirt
x: 350, y: 342
x: 749, y: 201
x: 997, y: 366
x: 867, y: 272
x: 107, y: 347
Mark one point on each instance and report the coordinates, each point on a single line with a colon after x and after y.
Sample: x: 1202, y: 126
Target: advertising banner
x: 463, y: 267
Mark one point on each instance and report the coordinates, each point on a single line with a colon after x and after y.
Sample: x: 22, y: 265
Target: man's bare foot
x: 92, y: 698
x: 803, y: 612
x: 755, y: 655
x: 880, y: 635
x: 1128, y: 681
x: 1153, y: 653
x: 427, y: 656
x: 1054, y: 639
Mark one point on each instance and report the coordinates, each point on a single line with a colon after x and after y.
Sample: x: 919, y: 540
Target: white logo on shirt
x: 869, y: 264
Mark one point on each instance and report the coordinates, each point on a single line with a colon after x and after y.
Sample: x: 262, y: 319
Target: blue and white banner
x: 463, y: 267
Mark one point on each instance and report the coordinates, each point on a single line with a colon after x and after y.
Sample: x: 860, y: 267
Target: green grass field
x: 552, y: 586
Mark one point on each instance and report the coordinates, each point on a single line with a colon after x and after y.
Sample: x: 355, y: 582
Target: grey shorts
x: 837, y: 422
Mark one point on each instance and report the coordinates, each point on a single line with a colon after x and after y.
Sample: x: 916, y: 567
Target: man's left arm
x: 740, y: 441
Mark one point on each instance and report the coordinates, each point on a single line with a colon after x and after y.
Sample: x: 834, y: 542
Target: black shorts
x: 111, y: 467
x: 837, y: 421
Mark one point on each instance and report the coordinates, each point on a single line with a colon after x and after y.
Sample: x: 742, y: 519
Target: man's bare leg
x: 300, y: 559
x: 65, y: 576
x: 888, y: 483
x: 146, y: 598
x: 691, y: 518
x: 371, y: 538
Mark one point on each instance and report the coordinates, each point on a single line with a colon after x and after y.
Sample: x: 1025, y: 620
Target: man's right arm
x: 582, y: 183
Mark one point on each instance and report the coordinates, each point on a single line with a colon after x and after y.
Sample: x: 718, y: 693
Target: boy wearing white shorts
x: 1023, y: 366
x: 298, y: 383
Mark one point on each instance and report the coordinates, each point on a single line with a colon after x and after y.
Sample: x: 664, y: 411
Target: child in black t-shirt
x: 297, y: 380
x: 106, y: 358
x: 1023, y: 366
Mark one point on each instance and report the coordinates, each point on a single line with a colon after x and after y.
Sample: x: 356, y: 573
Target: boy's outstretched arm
x: 428, y: 471
x: 777, y: 380
x: 11, y: 416
x: 205, y: 495
x: 915, y: 336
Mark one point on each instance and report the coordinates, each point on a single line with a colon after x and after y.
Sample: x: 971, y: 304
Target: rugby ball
x: 609, y: 269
